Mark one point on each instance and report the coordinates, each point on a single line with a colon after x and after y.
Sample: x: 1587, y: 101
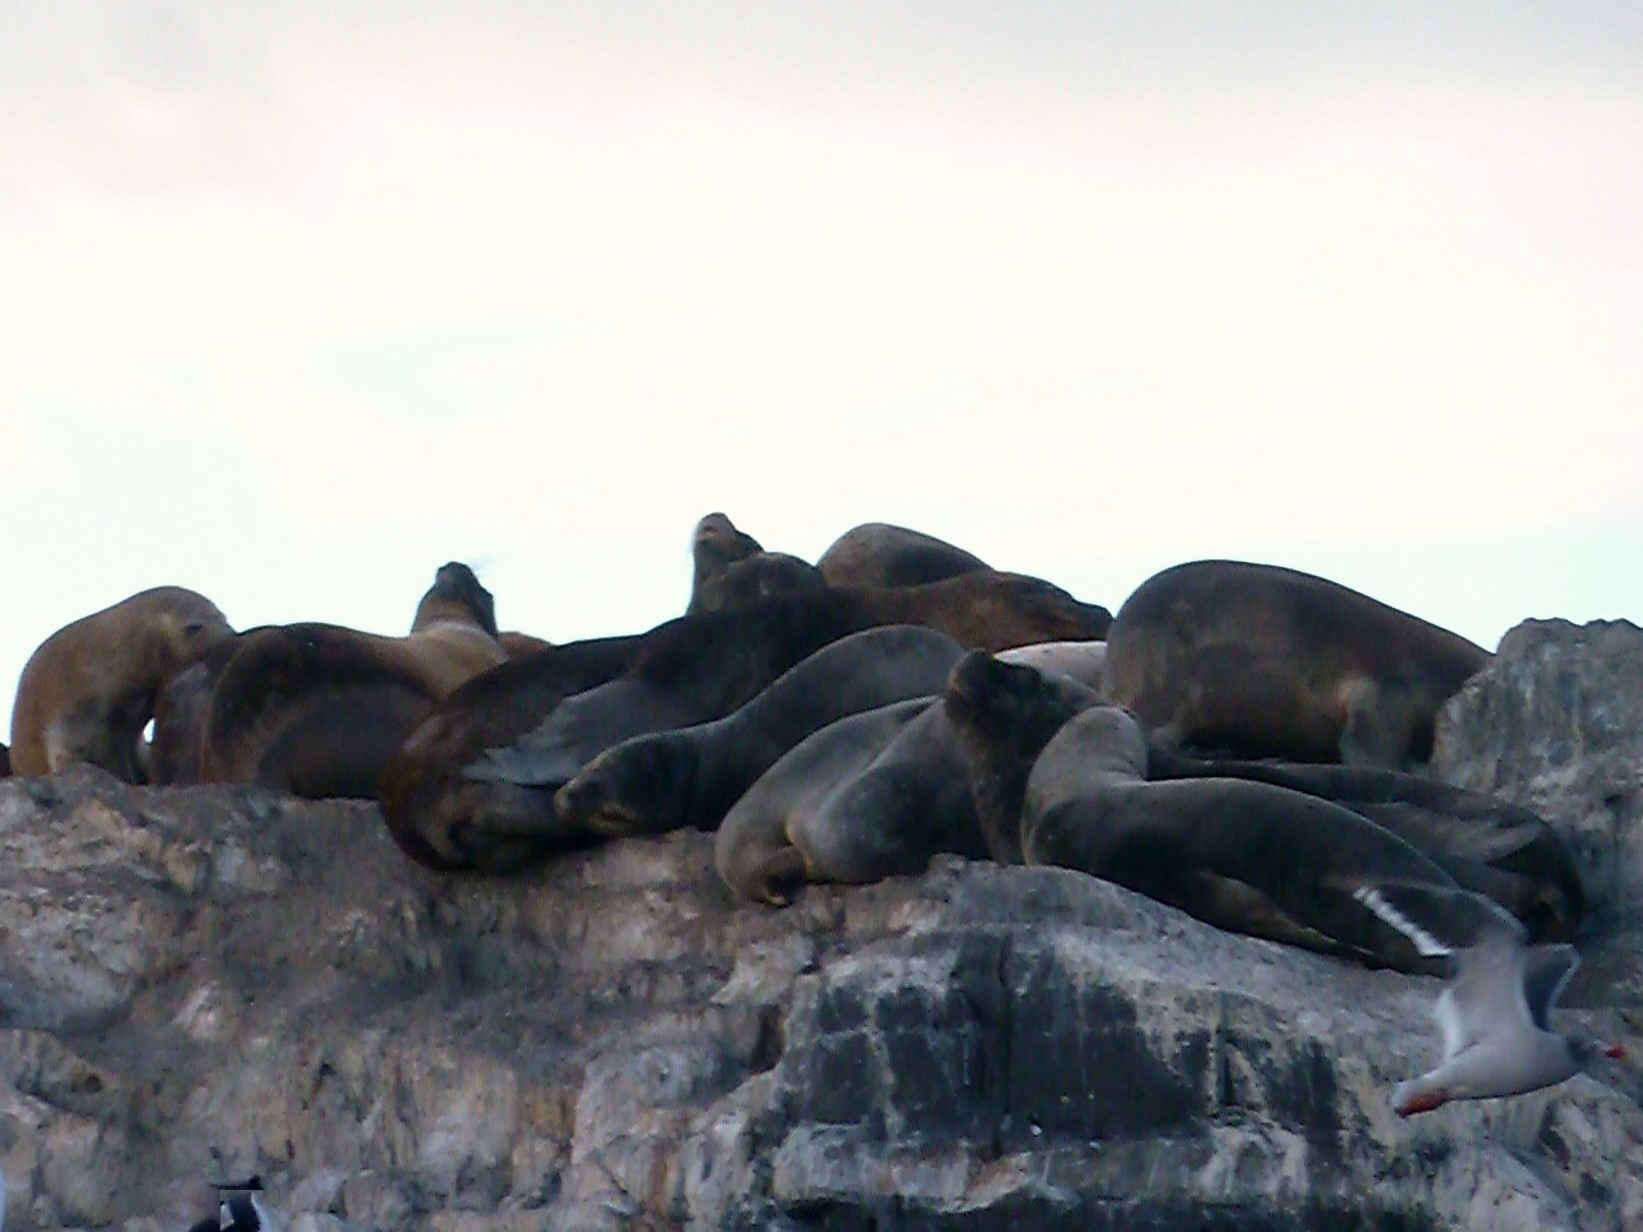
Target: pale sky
x: 300, y: 301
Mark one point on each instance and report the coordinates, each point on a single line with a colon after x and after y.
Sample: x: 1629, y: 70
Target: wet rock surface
x: 209, y: 981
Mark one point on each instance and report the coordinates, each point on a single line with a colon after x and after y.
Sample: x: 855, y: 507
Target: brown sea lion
x: 460, y: 800
x: 88, y: 691
x: 1260, y: 661
x: 317, y: 709
x: 879, y: 554
x: 179, y: 714
x: 1009, y: 718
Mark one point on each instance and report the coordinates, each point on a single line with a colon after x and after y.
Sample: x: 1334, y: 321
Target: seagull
x: 1493, y: 1014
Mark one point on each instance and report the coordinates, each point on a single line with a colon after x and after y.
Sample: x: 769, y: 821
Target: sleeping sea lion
x: 879, y: 554
x: 690, y: 776
x: 318, y: 709
x: 686, y: 671
x: 88, y: 691
x: 1261, y: 661
x: 1245, y: 856
x: 757, y: 851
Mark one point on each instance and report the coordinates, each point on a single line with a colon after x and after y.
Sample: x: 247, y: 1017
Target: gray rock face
x: 1555, y: 723
x: 207, y: 981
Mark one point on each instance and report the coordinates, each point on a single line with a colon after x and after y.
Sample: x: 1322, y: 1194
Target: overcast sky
x: 301, y: 301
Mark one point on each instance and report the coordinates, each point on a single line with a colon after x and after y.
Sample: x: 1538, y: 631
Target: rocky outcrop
x: 1556, y: 724
x: 209, y: 981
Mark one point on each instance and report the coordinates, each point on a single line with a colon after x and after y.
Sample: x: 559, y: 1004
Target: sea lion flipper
x: 780, y: 876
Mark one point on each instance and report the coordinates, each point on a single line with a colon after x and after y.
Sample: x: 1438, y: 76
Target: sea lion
x: 88, y: 691
x: 755, y: 578
x: 1486, y: 844
x: 686, y: 671
x: 850, y: 810
x: 879, y: 554
x: 1261, y: 661
x: 5, y: 761
x: 690, y: 776
x: 1008, y: 717
x: 179, y: 714
x: 715, y: 544
x: 1245, y: 856
x: 318, y: 709
x: 450, y: 823
x: 755, y: 850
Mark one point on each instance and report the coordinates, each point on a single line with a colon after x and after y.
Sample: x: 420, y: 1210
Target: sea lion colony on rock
x: 827, y: 721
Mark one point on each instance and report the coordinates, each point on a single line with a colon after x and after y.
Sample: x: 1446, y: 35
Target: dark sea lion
x: 179, y: 714
x: 1245, y: 856
x: 686, y: 671
x: 1008, y: 716
x: 690, y: 776
x: 709, y: 668
x: 88, y: 691
x: 318, y: 709
x: 753, y: 579
x: 1486, y: 844
x: 1261, y: 661
x: 1004, y: 714
x: 715, y: 544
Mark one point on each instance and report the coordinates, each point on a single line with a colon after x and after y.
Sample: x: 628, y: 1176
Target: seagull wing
x: 1438, y: 918
x: 1484, y: 999
x: 1545, y: 976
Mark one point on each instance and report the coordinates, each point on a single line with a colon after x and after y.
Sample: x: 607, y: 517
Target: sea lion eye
x: 194, y: 628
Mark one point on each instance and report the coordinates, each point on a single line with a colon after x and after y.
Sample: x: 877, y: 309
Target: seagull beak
x: 1615, y: 1052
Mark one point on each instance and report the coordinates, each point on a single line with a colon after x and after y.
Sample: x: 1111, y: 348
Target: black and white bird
x: 1497, y: 1037
x: 241, y: 1209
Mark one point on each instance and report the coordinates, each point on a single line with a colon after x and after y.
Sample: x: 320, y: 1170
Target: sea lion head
x: 640, y: 786
x: 1024, y: 609
x: 456, y: 595
x: 1004, y: 715
x: 715, y: 544
x: 184, y: 627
